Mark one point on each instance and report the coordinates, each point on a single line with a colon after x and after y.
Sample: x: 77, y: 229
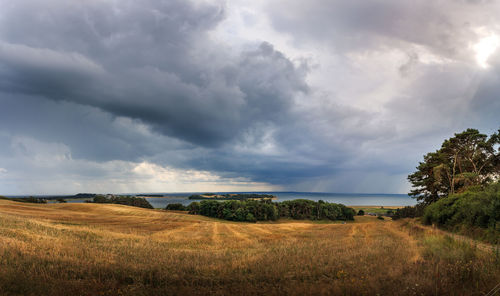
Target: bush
x: 471, y: 208
x: 176, y: 207
x: 468, y: 211
x: 194, y: 208
x: 251, y: 218
x: 240, y: 214
x: 101, y: 199
x: 409, y: 212
x: 361, y: 213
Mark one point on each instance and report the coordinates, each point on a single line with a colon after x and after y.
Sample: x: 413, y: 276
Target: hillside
x: 90, y: 249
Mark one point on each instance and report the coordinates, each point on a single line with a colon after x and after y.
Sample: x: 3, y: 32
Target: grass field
x: 103, y: 249
x: 375, y: 209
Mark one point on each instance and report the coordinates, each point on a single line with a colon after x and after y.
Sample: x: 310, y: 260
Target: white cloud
x: 485, y: 48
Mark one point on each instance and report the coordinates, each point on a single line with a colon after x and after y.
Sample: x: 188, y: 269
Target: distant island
x: 232, y: 196
x: 150, y: 195
x: 45, y: 199
x: 122, y: 200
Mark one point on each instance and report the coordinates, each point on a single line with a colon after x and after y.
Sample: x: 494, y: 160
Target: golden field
x: 102, y: 249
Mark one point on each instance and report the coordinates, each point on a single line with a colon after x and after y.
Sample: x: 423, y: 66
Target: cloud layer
x: 122, y: 96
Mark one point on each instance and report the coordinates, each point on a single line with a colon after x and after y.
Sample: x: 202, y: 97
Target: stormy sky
x: 118, y: 96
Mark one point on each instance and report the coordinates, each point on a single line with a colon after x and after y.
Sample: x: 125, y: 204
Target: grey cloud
x: 150, y: 61
x: 94, y: 64
x: 413, y: 60
x: 89, y: 132
x: 485, y: 98
x: 443, y: 92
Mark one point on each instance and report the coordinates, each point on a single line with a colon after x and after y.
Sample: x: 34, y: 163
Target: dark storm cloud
x: 90, y: 132
x: 142, y: 81
x: 150, y: 61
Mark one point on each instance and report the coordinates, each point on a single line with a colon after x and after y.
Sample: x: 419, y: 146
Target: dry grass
x: 100, y: 249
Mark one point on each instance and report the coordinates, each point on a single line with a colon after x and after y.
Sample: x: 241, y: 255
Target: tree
x: 250, y: 218
x: 427, y: 185
x: 194, y: 208
x: 467, y: 159
x: 176, y: 207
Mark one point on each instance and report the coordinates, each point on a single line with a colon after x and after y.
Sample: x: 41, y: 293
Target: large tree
x: 467, y: 159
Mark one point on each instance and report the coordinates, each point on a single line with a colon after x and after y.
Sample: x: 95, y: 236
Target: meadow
x: 107, y: 249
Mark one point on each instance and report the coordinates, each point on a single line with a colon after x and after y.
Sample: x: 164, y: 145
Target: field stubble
x: 91, y: 249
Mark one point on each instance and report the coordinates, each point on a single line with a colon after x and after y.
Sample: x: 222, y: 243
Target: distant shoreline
x: 172, y: 197
x: 377, y: 206
x: 161, y: 200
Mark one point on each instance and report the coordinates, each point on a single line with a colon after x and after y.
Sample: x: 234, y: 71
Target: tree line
x: 123, y: 200
x: 266, y: 210
x: 30, y: 199
x: 231, y: 196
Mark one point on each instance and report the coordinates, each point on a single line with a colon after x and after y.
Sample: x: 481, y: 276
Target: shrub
x: 193, y: 208
x: 471, y: 208
x: 409, y: 212
x: 240, y: 214
x: 250, y: 218
x: 469, y: 211
x: 101, y: 199
x: 176, y: 207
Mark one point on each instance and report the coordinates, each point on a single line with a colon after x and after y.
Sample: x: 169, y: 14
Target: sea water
x: 351, y: 199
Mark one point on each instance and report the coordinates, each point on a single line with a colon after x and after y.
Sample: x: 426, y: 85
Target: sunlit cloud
x: 485, y: 48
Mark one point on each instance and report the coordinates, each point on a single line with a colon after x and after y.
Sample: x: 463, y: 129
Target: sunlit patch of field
x: 375, y: 209
x: 100, y: 249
